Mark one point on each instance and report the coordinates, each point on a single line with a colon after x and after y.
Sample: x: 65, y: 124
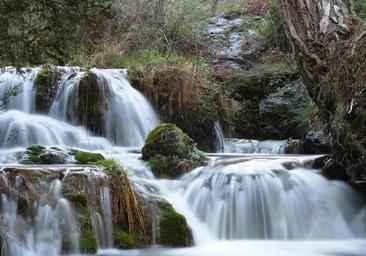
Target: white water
x: 228, y: 204
x: 40, y: 235
x: 128, y: 118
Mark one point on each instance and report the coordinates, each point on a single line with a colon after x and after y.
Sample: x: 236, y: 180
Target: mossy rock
x: 124, y: 240
x: 38, y: 154
x: 84, y: 157
x: 173, y: 227
x: 171, y: 152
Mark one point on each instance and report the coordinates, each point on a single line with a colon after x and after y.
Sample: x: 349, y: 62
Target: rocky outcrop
x: 171, y: 152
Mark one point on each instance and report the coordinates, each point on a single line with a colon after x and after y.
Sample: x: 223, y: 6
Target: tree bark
x: 329, y: 42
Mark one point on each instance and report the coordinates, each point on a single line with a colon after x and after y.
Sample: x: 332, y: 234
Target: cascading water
x: 16, y: 90
x: 269, y: 199
x: 237, y: 205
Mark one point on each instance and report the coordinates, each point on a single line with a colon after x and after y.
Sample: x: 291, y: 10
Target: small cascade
x: 42, y: 234
x: 254, y: 146
x: 136, y: 117
x: 16, y: 88
x: 21, y: 129
x: 124, y: 115
x: 128, y: 117
x: 38, y: 220
x: 265, y: 198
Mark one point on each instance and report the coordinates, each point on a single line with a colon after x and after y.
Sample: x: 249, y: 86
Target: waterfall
x: 42, y: 234
x: 16, y: 88
x: 127, y: 118
x: 22, y: 129
x: 254, y: 193
x: 265, y: 198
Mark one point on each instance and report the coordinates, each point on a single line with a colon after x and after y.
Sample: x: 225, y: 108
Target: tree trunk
x: 329, y: 42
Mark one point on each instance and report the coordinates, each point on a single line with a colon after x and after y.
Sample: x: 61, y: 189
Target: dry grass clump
x: 173, y: 88
x: 129, y: 210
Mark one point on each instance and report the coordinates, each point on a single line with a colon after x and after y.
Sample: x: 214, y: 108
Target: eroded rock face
x: 171, y: 152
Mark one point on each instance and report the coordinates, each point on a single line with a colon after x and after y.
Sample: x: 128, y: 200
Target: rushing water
x: 248, y: 200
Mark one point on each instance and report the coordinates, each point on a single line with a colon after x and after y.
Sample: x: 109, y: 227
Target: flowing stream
x: 251, y: 199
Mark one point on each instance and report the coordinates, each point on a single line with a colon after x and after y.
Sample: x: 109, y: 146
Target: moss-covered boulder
x: 171, y: 152
x: 173, y: 227
x: 38, y: 154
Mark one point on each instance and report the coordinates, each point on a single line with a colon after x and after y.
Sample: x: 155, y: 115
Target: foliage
x: 123, y: 239
x: 271, y: 28
x: 43, y: 31
x: 360, y: 8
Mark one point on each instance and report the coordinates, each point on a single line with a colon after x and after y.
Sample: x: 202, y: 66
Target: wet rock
x: 357, y: 174
x: 316, y: 142
x: 171, y: 152
x: 334, y: 171
x: 226, y: 41
x: 285, y: 112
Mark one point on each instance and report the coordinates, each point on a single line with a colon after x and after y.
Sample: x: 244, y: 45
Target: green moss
x: 32, y: 153
x: 360, y: 8
x: 167, y: 139
x: 124, y: 240
x: 173, y: 227
x: 83, y: 157
x: 88, y: 241
x: 78, y: 199
x: 36, y: 149
x: 42, y: 77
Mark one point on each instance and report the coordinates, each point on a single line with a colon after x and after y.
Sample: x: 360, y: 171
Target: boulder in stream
x: 171, y: 152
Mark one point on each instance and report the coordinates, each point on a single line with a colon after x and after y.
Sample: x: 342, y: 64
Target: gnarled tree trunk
x: 330, y: 46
